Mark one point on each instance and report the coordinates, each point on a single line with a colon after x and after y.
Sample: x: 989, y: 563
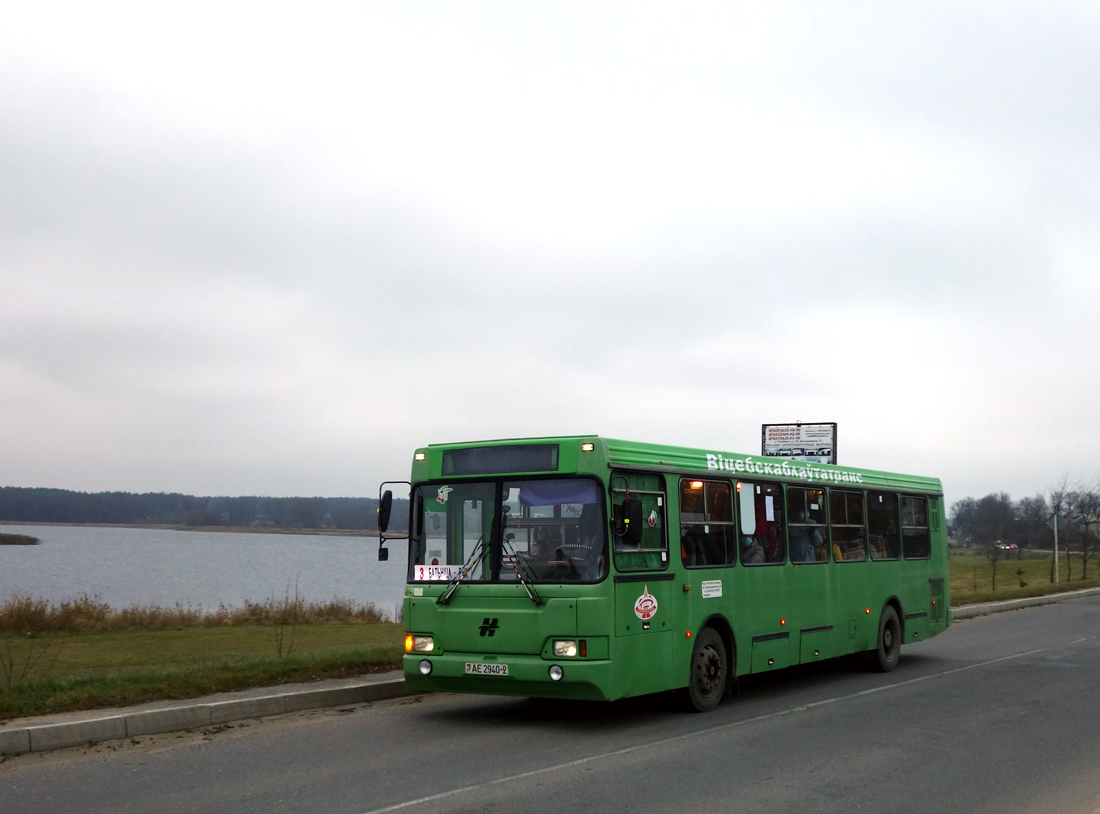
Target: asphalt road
x: 1000, y: 714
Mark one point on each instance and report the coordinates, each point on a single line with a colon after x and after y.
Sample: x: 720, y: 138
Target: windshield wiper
x: 467, y: 567
x: 514, y: 561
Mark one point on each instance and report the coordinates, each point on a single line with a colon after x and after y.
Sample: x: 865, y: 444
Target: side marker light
x: 782, y: 621
x: 867, y: 611
x: 587, y: 447
x: 688, y: 634
x: 420, y: 456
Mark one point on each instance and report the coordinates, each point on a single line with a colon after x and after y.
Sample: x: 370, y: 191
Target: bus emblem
x: 646, y: 606
x: 488, y: 627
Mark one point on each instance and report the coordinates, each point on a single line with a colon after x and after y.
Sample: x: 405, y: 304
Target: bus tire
x: 889, y: 639
x: 709, y: 671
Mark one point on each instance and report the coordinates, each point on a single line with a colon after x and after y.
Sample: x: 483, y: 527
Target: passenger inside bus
x: 805, y: 539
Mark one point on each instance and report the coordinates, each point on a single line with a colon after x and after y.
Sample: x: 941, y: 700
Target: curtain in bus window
x: 707, y: 535
x: 847, y: 528
x: 882, y: 523
x: 553, y: 531
x: 916, y: 541
x: 762, y: 536
x: 557, y: 492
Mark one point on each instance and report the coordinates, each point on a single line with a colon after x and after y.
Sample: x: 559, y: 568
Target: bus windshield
x: 539, y: 531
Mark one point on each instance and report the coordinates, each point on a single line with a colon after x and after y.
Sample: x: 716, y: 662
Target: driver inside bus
x: 588, y: 560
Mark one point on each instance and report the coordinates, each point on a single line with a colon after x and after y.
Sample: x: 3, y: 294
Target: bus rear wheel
x: 709, y: 670
x: 889, y: 639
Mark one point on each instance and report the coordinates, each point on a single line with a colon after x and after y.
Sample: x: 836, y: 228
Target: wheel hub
x: 708, y: 670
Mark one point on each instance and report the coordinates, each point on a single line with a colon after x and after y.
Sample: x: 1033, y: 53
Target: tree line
x: 32, y: 505
x: 995, y: 521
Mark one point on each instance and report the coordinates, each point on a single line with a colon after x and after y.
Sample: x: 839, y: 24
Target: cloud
x: 275, y: 255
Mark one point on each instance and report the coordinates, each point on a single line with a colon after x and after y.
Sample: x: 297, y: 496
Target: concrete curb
x: 43, y: 738
x: 986, y: 608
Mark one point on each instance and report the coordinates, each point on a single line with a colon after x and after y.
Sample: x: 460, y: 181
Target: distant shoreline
x: 226, y: 529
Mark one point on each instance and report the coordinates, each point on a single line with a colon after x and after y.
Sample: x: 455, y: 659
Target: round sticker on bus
x: 646, y: 606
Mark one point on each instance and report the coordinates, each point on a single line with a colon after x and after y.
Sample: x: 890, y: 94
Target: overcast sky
x: 251, y: 249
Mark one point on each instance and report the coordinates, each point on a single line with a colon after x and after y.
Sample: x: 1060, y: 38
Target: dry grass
x: 1025, y: 574
x: 23, y: 614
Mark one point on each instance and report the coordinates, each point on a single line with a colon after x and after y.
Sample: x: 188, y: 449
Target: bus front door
x: 645, y: 632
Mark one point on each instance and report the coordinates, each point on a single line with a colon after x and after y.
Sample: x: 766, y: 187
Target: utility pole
x: 1057, y: 522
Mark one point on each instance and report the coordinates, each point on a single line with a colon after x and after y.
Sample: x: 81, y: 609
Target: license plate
x: 486, y: 668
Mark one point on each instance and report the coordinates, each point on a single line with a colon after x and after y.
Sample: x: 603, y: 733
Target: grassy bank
x: 85, y: 655
x: 1029, y: 575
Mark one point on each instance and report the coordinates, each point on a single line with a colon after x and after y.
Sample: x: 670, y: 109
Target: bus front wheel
x: 889, y: 639
x: 709, y: 670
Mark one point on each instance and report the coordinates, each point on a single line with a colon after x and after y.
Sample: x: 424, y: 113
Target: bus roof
x: 673, y: 459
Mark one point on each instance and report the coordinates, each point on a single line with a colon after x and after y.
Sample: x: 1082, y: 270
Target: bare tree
x: 993, y: 553
x: 1032, y: 514
x: 964, y: 514
x: 1085, y: 511
x: 1060, y: 498
x: 994, y: 524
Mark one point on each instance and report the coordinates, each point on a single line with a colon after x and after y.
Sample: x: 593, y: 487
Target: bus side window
x: 707, y: 534
x: 847, y: 529
x: 882, y: 516
x: 650, y: 552
x: 916, y: 541
x: 806, y: 524
x: 762, y: 537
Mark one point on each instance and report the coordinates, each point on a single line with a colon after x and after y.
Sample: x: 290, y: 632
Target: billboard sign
x: 800, y: 442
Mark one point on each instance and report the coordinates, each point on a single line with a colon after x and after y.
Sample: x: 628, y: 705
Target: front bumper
x: 582, y: 679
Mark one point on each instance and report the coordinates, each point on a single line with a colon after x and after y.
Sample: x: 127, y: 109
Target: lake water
x: 124, y: 567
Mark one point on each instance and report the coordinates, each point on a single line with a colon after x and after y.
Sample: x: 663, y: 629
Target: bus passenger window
x: 916, y: 541
x: 762, y: 537
x: 847, y: 529
x: 806, y: 524
x: 882, y: 517
x: 707, y: 535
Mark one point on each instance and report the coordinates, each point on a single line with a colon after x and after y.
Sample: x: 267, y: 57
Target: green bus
x: 584, y: 567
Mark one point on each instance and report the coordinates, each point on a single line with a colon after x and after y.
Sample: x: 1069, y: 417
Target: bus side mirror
x: 628, y: 521
x: 384, y: 507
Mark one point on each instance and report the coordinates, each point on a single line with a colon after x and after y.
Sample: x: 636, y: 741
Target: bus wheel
x: 889, y: 639
x: 708, y: 671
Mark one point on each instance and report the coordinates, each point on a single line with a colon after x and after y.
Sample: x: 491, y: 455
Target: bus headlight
x: 419, y: 644
x: 425, y: 667
x: 556, y: 672
x: 565, y: 648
